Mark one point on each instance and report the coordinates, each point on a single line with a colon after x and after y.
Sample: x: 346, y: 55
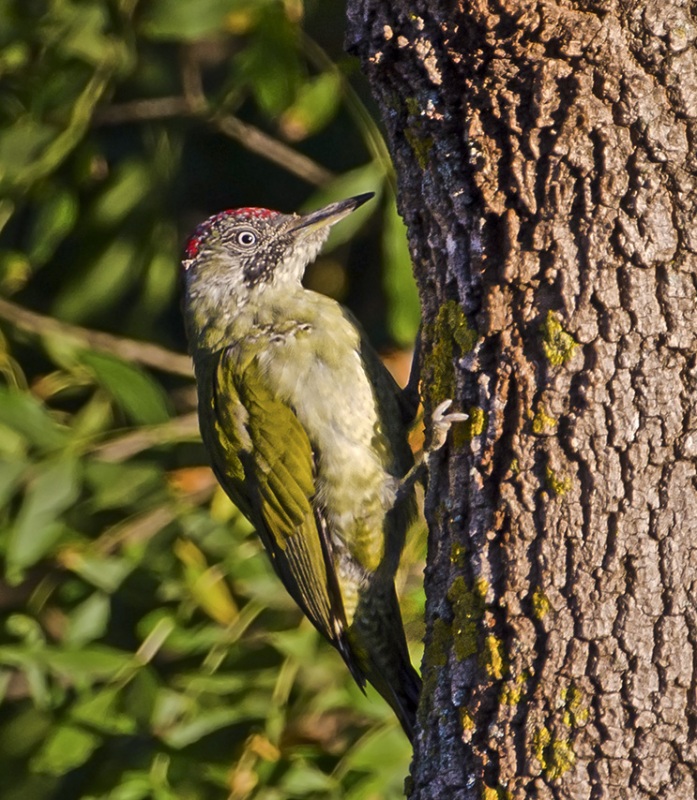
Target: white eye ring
x: 247, y: 238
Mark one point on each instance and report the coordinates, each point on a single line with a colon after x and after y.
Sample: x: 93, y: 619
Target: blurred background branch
x: 150, y: 355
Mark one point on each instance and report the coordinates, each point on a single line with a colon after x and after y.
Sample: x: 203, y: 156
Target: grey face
x: 250, y: 242
x: 250, y: 247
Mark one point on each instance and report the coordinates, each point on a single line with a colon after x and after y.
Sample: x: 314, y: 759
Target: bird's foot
x: 441, y: 422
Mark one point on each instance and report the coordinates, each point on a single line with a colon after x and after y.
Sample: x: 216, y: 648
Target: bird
x: 306, y: 431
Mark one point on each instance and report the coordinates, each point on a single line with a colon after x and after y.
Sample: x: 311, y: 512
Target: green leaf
x: 403, y: 308
x: 10, y: 475
x: 75, y: 667
x: 228, y: 684
x: 14, y: 56
x: 56, y: 217
x: 89, y: 620
x: 88, y: 664
x: 65, y: 748
x: 120, y: 485
x: 101, y: 712
x: 24, y: 732
x: 67, y: 99
x: 25, y: 627
x: 38, y: 684
x: 80, y: 29
x: 28, y: 417
x: 303, y: 778
x: 125, y: 192
x: 160, y: 284
x: 53, y: 489
x: 316, y: 104
x: 385, y: 746
x: 15, y: 267
x: 182, y: 641
x: 174, y: 19
x: 140, y: 397
x: 270, y: 62
x: 170, y: 707
x: 20, y: 145
x: 106, y: 574
x: 139, y: 697
x: 12, y: 444
x: 206, y: 721
x: 133, y: 786
x: 296, y: 643
x: 111, y: 275
x: 95, y: 416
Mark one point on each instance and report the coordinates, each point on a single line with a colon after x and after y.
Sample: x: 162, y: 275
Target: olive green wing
x: 263, y: 458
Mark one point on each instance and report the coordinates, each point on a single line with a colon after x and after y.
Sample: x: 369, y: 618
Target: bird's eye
x: 246, y: 238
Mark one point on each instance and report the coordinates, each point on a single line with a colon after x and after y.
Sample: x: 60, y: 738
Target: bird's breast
x: 316, y: 367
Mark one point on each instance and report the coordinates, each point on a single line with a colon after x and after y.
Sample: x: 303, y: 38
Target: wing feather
x: 264, y: 460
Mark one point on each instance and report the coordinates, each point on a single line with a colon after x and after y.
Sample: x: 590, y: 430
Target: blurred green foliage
x: 146, y: 648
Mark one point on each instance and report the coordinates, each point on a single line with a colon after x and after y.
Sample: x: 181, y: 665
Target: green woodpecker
x: 306, y: 432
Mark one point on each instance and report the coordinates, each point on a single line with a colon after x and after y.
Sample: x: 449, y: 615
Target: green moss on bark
x: 421, y: 145
x: 540, y: 604
x: 512, y: 691
x: 559, y: 484
x: 556, y: 756
x: 474, y: 426
x: 576, y: 711
x: 557, y: 344
x: 467, y: 604
x: 542, y: 421
x: 493, y: 657
x: 452, y: 337
x: 495, y: 793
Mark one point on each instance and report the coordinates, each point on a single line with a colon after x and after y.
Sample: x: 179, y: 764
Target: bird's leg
x: 441, y: 422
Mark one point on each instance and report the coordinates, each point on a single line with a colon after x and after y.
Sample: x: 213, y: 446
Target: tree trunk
x: 546, y: 155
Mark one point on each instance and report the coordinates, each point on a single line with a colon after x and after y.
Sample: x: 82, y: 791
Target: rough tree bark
x: 546, y: 152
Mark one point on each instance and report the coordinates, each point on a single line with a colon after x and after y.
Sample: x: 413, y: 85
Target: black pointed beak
x: 332, y: 213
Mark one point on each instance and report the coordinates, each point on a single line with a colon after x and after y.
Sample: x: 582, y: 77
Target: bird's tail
x: 404, y: 698
x: 380, y: 651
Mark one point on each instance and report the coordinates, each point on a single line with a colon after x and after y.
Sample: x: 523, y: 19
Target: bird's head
x: 238, y: 252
